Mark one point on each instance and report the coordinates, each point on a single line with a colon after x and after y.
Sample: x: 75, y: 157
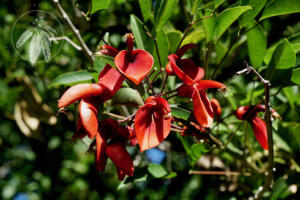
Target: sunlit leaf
x: 281, y: 7
x: 145, y: 6
x: 99, y: 5
x: 157, y: 170
x: 72, y: 78
x: 34, y: 48
x: 23, y: 38
x: 164, y: 12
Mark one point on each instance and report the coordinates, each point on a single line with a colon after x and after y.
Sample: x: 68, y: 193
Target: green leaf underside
x: 174, y: 38
x: 157, y: 170
x: 23, y: 38
x: 180, y: 112
x: 35, y: 48
x: 99, y: 5
x: 127, y: 96
x: 71, y: 78
x: 281, y: 7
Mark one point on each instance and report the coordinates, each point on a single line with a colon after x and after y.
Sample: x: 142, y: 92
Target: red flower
x: 152, y: 122
x: 259, y: 128
x: 134, y: 64
x: 193, y: 86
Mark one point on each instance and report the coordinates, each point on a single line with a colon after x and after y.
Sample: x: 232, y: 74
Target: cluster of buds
x: 152, y: 121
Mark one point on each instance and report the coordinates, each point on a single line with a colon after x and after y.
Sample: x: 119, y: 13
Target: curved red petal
x: 191, y: 69
x: 181, y: 74
x: 206, y: 84
x: 260, y: 131
x: 137, y: 68
x: 216, y: 106
x: 202, y: 109
x: 79, y: 91
x: 159, y: 101
x: 121, y: 174
x: 100, y: 155
x: 169, y: 69
x: 111, y: 79
x: 108, y: 50
x: 89, y: 117
x: 183, y: 49
x: 80, y: 132
x: 241, y: 112
x: 120, y: 157
x: 151, y: 127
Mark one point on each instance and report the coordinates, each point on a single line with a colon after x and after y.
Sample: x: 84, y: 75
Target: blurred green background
x: 39, y: 160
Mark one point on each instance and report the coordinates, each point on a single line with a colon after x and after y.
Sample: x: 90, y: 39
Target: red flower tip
x: 186, y: 69
x: 129, y: 41
x: 107, y: 50
x: 206, y: 84
x: 241, y: 112
x: 183, y: 49
x: 260, y: 131
x: 111, y: 79
x: 169, y: 69
x: 100, y: 156
x: 152, y: 122
x: 88, y: 115
x: 120, y: 157
x: 136, y: 66
x: 216, y: 106
x: 79, y: 91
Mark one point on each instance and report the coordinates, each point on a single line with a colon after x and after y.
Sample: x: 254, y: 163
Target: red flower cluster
x: 152, y: 121
x: 259, y: 128
x: 193, y: 87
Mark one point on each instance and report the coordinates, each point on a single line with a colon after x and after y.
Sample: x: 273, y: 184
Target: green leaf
x: 45, y: 46
x: 174, y: 38
x: 209, y: 25
x: 162, y: 46
x: 228, y: 16
x: 23, y: 38
x: 164, y: 12
x: 34, y: 48
x: 99, y: 5
x: 127, y: 96
x: 72, y: 78
x: 257, y: 6
x: 218, y: 3
x: 107, y: 59
x: 194, y: 36
x: 145, y: 6
x: 194, y: 6
x: 99, y: 64
x: 180, y: 112
x: 157, y: 170
x: 281, y: 7
x: 296, y: 76
x: 257, y: 45
x: 141, y: 39
x: 197, y: 150
x: 284, y: 57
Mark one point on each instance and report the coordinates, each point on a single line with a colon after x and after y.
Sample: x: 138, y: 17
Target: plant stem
x: 269, y: 178
x: 76, y: 32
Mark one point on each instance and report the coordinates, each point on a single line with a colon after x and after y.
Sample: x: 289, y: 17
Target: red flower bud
x: 216, y: 106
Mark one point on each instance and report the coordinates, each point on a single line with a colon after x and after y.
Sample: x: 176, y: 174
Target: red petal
x: 183, y: 49
x: 120, y: 157
x: 240, y: 113
x: 137, y: 68
x: 108, y: 50
x: 121, y: 174
x: 216, y: 106
x: 202, y: 109
x: 89, y: 117
x: 159, y: 101
x: 260, y: 131
x: 100, y: 155
x: 151, y: 127
x: 206, y: 84
x: 181, y: 74
x: 111, y: 79
x: 191, y: 69
x: 186, y: 90
x: 79, y: 91
x: 80, y: 132
x: 169, y: 69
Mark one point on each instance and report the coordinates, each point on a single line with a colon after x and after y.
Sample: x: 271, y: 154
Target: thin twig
x: 226, y: 173
x: 67, y: 40
x: 269, y: 179
x: 130, y: 117
x: 76, y: 32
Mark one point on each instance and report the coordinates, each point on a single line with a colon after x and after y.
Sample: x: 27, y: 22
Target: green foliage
x: 145, y: 6
x: 72, y: 78
x: 99, y: 5
x: 280, y: 7
x: 162, y: 13
x: 127, y: 96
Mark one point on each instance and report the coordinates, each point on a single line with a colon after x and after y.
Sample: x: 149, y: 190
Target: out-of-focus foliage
x: 39, y: 160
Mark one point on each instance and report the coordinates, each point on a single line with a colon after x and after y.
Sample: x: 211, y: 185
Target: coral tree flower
x: 259, y: 128
x: 134, y: 64
x: 152, y: 122
x: 193, y: 87
x: 92, y: 95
